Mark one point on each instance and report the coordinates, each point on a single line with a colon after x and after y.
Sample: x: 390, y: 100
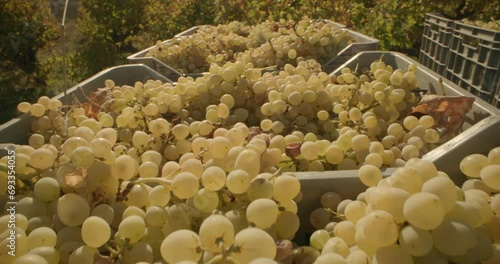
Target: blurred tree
x: 25, y: 27
x: 107, y: 27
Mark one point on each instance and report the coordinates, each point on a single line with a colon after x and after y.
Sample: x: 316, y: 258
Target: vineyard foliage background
x: 104, y: 33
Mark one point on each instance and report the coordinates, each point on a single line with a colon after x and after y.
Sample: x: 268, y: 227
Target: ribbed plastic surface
x: 436, y: 40
x: 17, y: 130
x: 474, y: 61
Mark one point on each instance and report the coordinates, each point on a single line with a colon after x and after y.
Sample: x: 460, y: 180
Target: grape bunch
x: 194, y: 54
x: 492, y: 25
x: 416, y: 215
x: 269, y: 44
x: 101, y: 192
x: 306, y: 39
x: 201, y: 170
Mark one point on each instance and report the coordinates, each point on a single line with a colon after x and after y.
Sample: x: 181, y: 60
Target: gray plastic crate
x: 479, y: 138
x: 436, y: 40
x: 190, y: 31
x: 474, y: 60
x: 17, y: 130
x: 347, y: 183
x: 314, y: 184
x: 362, y: 43
x: 162, y: 68
x: 428, y: 80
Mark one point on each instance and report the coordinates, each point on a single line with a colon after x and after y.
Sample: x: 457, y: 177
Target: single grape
x: 181, y: 245
x: 319, y: 238
x: 370, y: 175
x: 472, y: 165
x: 104, y: 211
x: 380, y: 228
x: 346, y: 231
x: 415, y: 242
x: 82, y: 156
x: 238, y: 181
x: 490, y: 175
x: 95, y: 231
x: 132, y: 228
x: 444, y: 188
x: 42, y: 237
x: 42, y: 159
x: 139, y: 252
x: 159, y: 195
x: 214, y: 230
x: 24, y: 107
x: 424, y: 210
x: 354, y: 211
x: 125, y: 167
x: 335, y: 245
x: 286, y: 187
x: 205, y: 200
x: 262, y: 212
x: 330, y: 200
x: 50, y: 254
x: 453, y: 238
x: 72, y: 209
x: 287, y: 224
x: 260, y: 188
x: 83, y: 254
x: 47, y: 189
x: 253, y: 243
x: 392, y: 253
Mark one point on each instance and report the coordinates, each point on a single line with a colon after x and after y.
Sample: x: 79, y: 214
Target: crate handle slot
x: 471, y: 42
x: 434, y: 28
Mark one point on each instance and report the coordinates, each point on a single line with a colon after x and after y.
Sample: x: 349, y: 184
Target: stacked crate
x: 465, y: 54
x: 436, y: 39
x: 474, y: 61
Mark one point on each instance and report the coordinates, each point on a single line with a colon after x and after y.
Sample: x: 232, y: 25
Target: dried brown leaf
x: 448, y: 111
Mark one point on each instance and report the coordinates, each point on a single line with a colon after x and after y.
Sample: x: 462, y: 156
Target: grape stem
x: 117, y: 254
x: 122, y: 195
x: 336, y: 214
x: 161, y: 181
x: 370, y: 107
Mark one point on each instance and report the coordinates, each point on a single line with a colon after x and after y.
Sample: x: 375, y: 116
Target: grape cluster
x: 310, y: 40
x: 416, y: 215
x: 492, y: 25
x: 202, y: 169
x: 210, y: 44
x: 269, y: 44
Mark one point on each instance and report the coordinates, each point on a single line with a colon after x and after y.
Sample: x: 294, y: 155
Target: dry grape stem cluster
x: 201, y: 169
